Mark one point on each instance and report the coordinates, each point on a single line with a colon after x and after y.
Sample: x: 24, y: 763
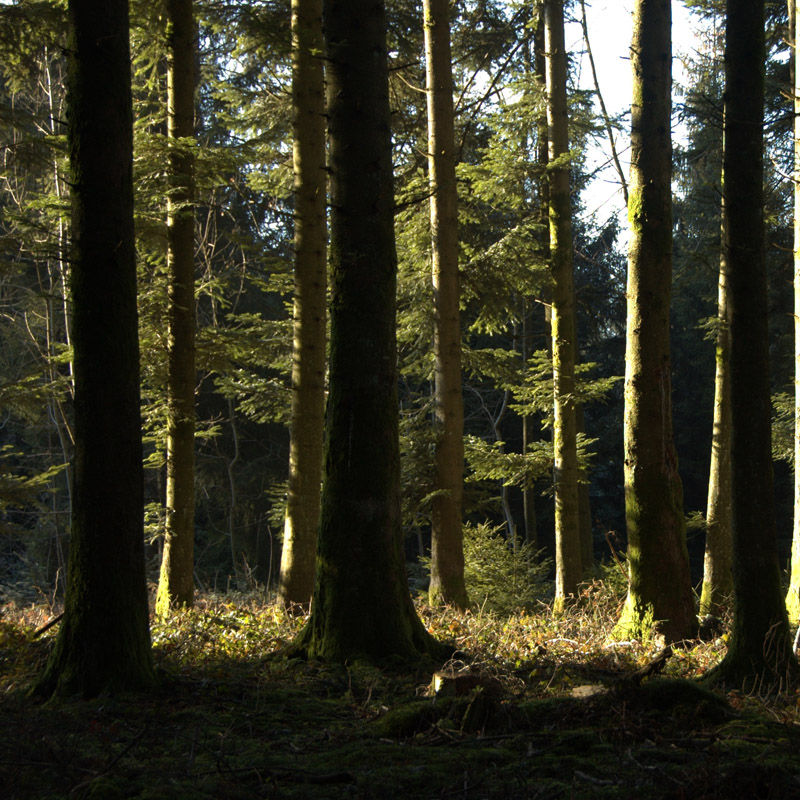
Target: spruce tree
x: 361, y: 606
x: 309, y: 324
x: 103, y: 642
x: 659, y: 592
x: 447, y: 549
x: 176, y: 584
x: 759, y: 650
x: 568, y: 545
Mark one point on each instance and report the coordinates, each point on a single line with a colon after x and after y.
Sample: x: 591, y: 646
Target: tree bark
x: 660, y: 591
x: 717, y: 567
x: 310, y: 283
x: 176, y: 583
x: 543, y: 238
x: 447, y: 549
x: 759, y: 650
x: 361, y: 607
x: 569, y: 571
x: 103, y: 643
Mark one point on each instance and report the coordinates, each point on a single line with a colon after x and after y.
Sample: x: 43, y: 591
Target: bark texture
x: 660, y: 592
x: 176, y: 583
x: 447, y: 549
x: 759, y: 650
x: 361, y: 606
x: 569, y: 571
x: 718, y: 560
x: 103, y: 642
x: 310, y: 283
x: 529, y: 426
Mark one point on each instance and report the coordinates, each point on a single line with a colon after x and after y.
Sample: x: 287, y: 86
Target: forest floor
x: 535, y: 708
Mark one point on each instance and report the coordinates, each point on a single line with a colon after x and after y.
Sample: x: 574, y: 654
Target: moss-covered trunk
x: 176, y: 583
x: 660, y: 591
x: 361, y: 605
x: 569, y: 571
x: 447, y: 549
x: 759, y: 649
x: 103, y: 643
x: 310, y: 283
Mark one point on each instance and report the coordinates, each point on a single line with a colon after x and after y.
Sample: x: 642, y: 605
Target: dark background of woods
x: 243, y: 281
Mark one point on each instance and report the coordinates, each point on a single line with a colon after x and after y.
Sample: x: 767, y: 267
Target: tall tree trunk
x: 59, y: 288
x: 717, y: 566
x: 543, y: 239
x: 58, y: 307
x: 176, y: 583
x: 793, y: 594
x: 660, y: 590
x: 447, y: 550
x: 310, y: 281
x: 569, y: 571
x: 361, y: 606
x: 759, y: 649
x: 103, y: 642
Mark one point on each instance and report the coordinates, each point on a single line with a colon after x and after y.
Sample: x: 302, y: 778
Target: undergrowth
x: 238, y: 627
x: 553, y: 710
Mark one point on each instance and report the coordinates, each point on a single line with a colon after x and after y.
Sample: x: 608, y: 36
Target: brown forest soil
x: 542, y: 709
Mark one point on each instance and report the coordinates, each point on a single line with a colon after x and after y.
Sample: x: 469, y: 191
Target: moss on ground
x: 228, y: 723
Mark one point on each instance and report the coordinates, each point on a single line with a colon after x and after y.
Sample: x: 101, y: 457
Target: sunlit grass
x: 232, y: 702
x: 533, y: 651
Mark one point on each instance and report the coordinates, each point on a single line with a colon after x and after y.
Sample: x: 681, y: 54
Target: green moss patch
x: 232, y: 719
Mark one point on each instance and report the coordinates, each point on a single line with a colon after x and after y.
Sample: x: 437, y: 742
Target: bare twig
x: 652, y: 667
x: 46, y: 627
x: 603, y: 110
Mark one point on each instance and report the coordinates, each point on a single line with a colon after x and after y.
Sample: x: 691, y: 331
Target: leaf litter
x: 531, y: 706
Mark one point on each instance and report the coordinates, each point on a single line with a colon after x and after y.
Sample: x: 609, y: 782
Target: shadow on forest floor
x: 538, y: 718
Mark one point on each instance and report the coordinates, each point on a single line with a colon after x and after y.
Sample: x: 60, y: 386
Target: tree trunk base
x: 311, y: 644
x: 638, y: 621
x: 755, y: 676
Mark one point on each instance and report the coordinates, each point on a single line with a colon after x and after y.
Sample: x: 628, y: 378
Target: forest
x: 351, y: 448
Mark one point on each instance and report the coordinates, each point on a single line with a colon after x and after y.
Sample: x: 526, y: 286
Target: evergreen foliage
x: 244, y: 210
x: 500, y: 579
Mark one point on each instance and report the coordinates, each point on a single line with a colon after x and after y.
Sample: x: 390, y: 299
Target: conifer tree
x: 717, y: 568
x: 361, y: 606
x: 310, y: 281
x: 659, y: 592
x: 447, y: 550
x: 103, y: 642
x: 759, y: 650
x: 176, y: 584
x: 568, y: 546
